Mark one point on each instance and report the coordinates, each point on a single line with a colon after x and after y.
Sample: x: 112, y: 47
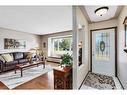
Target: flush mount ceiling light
x: 101, y: 11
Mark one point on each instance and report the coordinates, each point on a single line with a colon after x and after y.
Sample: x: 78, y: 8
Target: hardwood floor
x: 2, y: 86
x: 42, y: 82
x: 45, y: 81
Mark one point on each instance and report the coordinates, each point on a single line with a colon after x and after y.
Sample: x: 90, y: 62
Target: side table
x: 63, y: 78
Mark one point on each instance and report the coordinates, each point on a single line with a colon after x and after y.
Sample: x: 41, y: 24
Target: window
x: 61, y: 45
x: 102, y: 46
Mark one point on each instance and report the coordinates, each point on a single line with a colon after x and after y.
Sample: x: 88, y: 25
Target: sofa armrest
x: 1, y: 66
x: 1, y: 61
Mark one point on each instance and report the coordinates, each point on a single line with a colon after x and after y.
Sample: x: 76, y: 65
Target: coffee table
x: 26, y: 66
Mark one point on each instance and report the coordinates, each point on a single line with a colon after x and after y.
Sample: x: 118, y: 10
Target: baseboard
x: 53, y: 61
x: 120, y: 82
x: 84, y: 80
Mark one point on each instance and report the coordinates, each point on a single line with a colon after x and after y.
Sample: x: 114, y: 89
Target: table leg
x: 15, y: 68
x: 15, y: 71
x: 21, y: 73
x: 44, y: 66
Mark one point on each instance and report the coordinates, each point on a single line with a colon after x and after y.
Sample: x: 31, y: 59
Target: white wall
x: 31, y: 40
x: 122, y: 56
x: 83, y: 69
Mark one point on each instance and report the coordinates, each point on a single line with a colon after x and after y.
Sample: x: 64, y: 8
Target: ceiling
x: 112, y: 12
x: 38, y: 20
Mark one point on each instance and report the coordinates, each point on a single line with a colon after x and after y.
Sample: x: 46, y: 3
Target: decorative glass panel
x: 102, y: 47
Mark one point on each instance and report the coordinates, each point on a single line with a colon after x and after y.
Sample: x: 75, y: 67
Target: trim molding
x: 103, y: 28
x: 53, y: 62
x: 120, y: 82
x: 84, y: 80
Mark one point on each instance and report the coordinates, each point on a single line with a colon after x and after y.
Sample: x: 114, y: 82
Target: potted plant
x: 66, y: 60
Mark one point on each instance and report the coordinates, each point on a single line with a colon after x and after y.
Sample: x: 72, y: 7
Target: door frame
x: 115, y: 28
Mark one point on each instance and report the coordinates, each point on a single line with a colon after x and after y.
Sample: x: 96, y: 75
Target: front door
x: 103, y: 51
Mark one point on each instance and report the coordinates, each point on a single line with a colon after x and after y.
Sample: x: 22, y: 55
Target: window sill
x: 54, y: 57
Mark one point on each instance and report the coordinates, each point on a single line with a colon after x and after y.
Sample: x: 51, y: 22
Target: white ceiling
x: 94, y: 18
x: 36, y: 19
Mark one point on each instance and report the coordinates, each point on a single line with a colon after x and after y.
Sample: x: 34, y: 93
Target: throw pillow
x: 7, y: 57
x: 2, y: 59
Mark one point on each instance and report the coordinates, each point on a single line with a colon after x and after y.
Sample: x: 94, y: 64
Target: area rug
x: 12, y: 80
x: 99, y: 81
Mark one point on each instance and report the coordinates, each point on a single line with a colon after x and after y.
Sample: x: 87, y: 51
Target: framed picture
x: 125, y: 28
x: 44, y: 44
x: 14, y: 44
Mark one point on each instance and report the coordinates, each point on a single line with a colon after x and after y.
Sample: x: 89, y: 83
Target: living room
x: 22, y: 41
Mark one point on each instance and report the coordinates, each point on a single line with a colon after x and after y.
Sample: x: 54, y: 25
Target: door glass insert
x: 102, y: 46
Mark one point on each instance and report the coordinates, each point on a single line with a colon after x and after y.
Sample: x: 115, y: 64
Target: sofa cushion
x: 7, y: 57
x: 11, y: 63
x: 18, y: 55
x: 23, y: 61
x: 2, y: 59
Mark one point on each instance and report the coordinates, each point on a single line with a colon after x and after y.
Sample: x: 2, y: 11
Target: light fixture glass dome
x: 101, y: 11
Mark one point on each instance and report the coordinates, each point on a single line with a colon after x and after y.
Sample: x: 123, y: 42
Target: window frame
x: 52, y: 48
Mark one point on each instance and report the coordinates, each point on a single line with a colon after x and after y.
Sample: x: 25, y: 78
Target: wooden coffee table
x: 26, y: 66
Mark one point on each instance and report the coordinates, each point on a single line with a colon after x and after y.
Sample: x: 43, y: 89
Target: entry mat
x: 99, y: 81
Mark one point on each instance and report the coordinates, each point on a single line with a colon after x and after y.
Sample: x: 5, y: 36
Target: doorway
x: 104, y: 51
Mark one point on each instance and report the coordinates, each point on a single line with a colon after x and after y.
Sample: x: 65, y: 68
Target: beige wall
x: 31, y: 40
x: 83, y: 69
x: 122, y: 56
x: 44, y: 38
x: 104, y: 24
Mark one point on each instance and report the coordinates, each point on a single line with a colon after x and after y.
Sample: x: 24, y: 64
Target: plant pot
x: 67, y: 66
